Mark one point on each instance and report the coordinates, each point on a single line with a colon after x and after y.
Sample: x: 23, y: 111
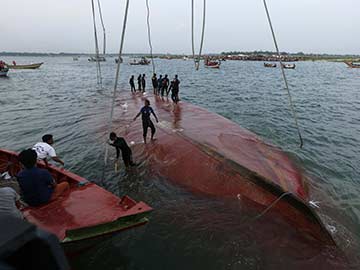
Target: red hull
x: 207, y: 153
x: 83, y: 208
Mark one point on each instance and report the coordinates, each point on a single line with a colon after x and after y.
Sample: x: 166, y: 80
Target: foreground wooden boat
x: 207, y: 153
x: 30, y: 66
x: 85, y: 215
x: 352, y: 64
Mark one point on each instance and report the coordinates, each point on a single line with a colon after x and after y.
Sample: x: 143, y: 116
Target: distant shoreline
x: 233, y: 55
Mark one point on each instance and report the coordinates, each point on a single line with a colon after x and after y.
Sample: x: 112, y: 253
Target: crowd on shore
x: 162, y: 86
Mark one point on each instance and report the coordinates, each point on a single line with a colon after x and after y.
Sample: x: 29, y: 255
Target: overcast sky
x: 320, y: 26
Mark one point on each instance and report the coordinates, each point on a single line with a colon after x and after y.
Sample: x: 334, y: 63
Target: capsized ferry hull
x: 207, y: 153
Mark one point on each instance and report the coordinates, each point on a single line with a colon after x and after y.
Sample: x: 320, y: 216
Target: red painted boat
x: 207, y: 153
x: 212, y: 64
x: 84, y: 215
x: 352, y: 64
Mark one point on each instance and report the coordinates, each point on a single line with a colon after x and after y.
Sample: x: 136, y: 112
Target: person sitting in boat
x: 145, y: 112
x: 37, y: 185
x: 45, y: 150
x: 9, y: 202
x: 120, y: 144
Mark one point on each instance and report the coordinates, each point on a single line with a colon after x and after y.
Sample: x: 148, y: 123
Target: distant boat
x: 185, y: 58
x: 3, y: 71
x: 289, y: 66
x: 212, y: 64
x: 271, y: 65
x: 97, y: 59
x: 75, y: 58
x: 352, y: 64
x: 117, y: 60
x: 142, y: 61
x: 30, y: 66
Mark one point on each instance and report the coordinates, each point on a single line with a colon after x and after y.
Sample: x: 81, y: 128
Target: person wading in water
x: 145, y: 112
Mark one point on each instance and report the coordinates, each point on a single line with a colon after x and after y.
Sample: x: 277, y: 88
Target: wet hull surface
x: 210, y: 155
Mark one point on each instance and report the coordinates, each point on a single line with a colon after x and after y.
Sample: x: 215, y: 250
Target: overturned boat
x: 85, y: 215
x: 208, y: 154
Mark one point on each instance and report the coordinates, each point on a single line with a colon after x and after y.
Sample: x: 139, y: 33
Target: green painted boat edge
x: 99, y: 230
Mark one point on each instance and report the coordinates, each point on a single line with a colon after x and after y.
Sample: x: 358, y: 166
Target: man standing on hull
x: 175, y: 89
x: 146, y: 112
x: 132, y: 84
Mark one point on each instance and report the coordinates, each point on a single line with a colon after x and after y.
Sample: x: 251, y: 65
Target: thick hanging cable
x: 283, y: 74
x: 115, y: 84
x: 197, y: 60
x: 98, y: 68
x: 149, y: 35
x: 103, y: 27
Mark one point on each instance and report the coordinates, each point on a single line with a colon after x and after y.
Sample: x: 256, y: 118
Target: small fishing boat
x: 289, y: 66
x: 97, y: 59
x: 212, y: 64
x: 143, y: 61
x: 271, y: 65
x: 117, y: 60
x: 29, y: 66
x: 3, y: 69
x: 85, y: 215
x: 352, y: 64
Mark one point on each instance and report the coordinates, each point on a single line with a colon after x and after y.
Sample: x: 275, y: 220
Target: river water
x: 191, y: 231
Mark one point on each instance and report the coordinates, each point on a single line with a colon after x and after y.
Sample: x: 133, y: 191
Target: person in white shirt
x: 44, y: 150
x: 9, y: 202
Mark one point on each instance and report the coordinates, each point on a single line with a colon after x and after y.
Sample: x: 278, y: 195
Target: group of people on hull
x: 37, y: 187
x: 161, y: 86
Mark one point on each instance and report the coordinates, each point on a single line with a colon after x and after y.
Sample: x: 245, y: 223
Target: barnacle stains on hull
x: 205, y: 152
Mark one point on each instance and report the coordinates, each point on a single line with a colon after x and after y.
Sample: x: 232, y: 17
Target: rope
x: 197, y: 61
x: 115, y: 85
x: 98, y: 68
x: 149, y: 35
x: 271, y: 205
x: 283, y: 74
x: 103, y: 27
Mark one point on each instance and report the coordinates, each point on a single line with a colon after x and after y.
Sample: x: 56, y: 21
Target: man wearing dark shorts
x: 175, y: 90
x: 120, y: 144
x: 132, y: 84
x: 146, y: 112
x: 154, y: 83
